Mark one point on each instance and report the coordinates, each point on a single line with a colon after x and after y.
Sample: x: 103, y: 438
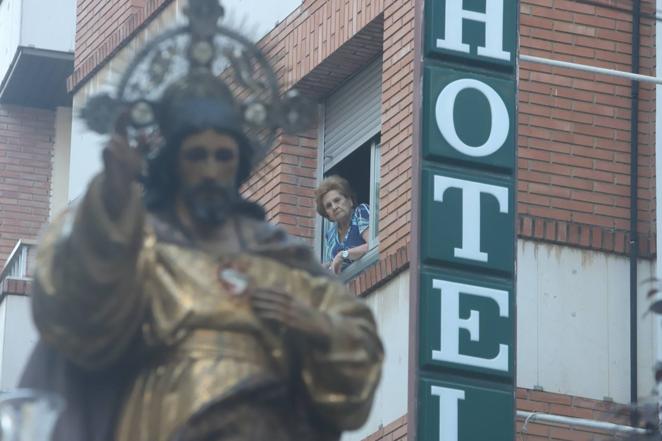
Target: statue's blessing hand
x: 122, y: 166
x: 286, y: 311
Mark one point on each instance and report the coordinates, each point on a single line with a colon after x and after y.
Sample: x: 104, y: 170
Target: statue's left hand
x: 288, y: 312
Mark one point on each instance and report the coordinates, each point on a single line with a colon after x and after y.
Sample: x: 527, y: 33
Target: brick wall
x: 566, y: 405
x: 315, y: 49
x: 102, y: 27
x: 285, y: 184
x: 305, y: 44
x: 574, y: 127
x: 395, y: 431
x: 26, y: 148
x: 397, y: 126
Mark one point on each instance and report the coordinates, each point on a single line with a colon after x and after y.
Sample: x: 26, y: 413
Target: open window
x: 351, y: 148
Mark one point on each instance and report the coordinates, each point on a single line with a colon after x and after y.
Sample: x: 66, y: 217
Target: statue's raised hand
x: 122, y: 167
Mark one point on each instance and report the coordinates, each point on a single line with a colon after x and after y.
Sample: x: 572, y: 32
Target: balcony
x: 17, y: 332
x: 16, y: 276
x: 36, y: 51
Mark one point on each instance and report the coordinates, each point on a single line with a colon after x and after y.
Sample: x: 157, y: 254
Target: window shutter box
x: 353, y: 114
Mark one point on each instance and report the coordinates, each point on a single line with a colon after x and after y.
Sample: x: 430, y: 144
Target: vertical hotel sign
x: 466, y: 315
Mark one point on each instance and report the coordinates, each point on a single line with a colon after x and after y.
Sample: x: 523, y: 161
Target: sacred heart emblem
x: 235, y: 282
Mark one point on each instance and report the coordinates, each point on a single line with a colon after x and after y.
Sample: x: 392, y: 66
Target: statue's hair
x: 193, y: 105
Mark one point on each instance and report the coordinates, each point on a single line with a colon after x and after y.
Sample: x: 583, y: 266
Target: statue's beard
x: 210, y: 204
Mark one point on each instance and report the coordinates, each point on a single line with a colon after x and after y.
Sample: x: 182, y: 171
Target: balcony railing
x: 16, y: 275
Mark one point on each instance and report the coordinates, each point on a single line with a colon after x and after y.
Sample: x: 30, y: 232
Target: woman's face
x: 337, y: 207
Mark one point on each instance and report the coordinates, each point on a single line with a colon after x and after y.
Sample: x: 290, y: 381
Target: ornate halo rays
x: 202, y: 45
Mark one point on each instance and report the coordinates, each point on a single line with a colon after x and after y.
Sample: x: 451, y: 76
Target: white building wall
x: 573, y: 322
x: 18, y: 336
x: 572, y: 329
x: 658, y: 166
x: 252, y: 17
x: 3, y: 335
x: 390, y: 305
x: 10, y: 33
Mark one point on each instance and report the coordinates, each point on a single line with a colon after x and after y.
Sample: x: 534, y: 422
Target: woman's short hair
x: 333, y: 182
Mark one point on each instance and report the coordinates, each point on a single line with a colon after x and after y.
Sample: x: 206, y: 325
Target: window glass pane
x: 375, y: 177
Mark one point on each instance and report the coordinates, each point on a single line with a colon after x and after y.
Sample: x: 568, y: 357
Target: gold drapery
x: 111, y: 289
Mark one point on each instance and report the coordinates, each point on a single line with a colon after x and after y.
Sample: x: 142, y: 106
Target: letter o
x: 446, y: 122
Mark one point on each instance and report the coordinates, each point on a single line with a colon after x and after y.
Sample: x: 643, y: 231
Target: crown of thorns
x: 235, y: 72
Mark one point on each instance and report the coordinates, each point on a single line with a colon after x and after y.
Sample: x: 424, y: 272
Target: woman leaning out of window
x: 347, y: 238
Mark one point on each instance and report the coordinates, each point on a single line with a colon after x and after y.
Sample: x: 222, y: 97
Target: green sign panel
x: 467, y: 324
x: 466, y: 300
x: 472, y: 31
x: 469, y: 118
x: 463, y: 410
x: 467, y: 218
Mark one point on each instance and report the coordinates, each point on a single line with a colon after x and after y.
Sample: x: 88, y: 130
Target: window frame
x: 372, y: 255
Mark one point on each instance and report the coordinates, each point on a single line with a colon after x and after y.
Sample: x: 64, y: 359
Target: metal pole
x: 593, y: 69
x: 580, y: 422
x: 634, y: 199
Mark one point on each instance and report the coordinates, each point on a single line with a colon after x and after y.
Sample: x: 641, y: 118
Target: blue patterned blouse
x: 359, y: 223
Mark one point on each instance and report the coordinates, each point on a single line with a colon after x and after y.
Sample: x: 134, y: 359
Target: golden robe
x: 135, y: 289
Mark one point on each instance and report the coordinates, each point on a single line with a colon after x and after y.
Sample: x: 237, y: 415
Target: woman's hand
x: 122, y: 166
x: 336, y: 264
x: 286, y: 311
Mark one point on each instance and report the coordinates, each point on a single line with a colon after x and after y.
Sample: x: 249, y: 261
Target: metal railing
x: 18, y: 265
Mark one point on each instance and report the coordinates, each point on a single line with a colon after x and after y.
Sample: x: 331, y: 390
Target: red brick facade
x: 574, y: 127
x: 395, y: 431
x: 574, y: 130
x: 26, y: 149
x: 566, y: 405
x: 102, y: 27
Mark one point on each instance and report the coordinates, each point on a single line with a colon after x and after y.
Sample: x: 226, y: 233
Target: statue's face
x: 208, y: 156
x: 208, y: 163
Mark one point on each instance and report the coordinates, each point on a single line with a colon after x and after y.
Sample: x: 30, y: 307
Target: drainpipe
x: 634, y: 175
x: 658, y: 203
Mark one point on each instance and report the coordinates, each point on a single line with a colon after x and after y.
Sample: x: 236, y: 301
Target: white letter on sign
x: 446, y: 122
x: 493, y: 19
x: 451, y: 323
x: 448, y: 413
x: 471, y: 192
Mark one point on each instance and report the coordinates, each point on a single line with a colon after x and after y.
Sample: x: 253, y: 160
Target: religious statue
x: 168, y: 308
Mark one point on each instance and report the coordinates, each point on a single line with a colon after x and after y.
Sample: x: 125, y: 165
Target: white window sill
x: 356, y: 268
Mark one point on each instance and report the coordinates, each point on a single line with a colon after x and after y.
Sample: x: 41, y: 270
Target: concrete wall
x: 17, y: 337
x: 573, y: 322
x: 390, y: 305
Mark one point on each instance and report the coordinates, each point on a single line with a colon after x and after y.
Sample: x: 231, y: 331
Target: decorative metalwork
x: 201, y: 47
